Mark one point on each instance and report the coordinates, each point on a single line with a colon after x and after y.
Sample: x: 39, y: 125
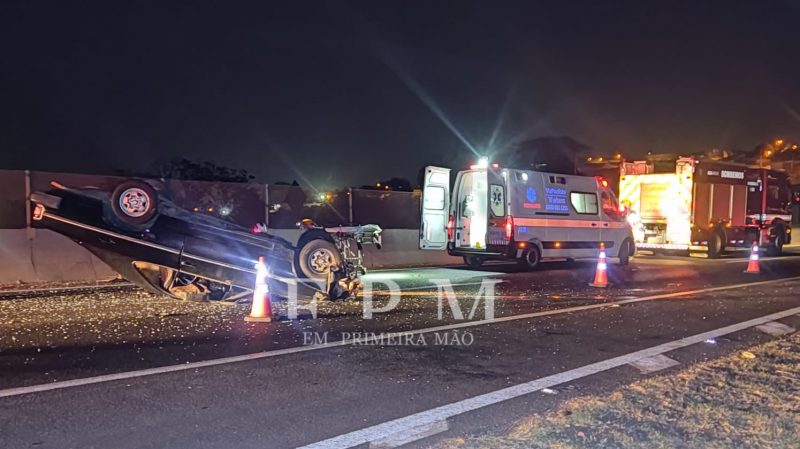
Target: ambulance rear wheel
x: 530, y: 259
x: 473, y: 261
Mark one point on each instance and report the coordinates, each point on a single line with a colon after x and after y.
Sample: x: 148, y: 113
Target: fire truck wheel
x: 530, y: 260
x: 714, y: 246
x: 473, y: 261
x: 625, y: 252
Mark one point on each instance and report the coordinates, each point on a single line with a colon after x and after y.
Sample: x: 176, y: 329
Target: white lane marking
x: 401, y: 425
x: 415, y: 434
x: 775, y: 329
x: 357, y: 341
x: 649, y: 365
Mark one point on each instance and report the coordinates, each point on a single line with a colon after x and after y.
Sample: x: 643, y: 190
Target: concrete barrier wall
x: 400, y: 249
x: 49, y: 256
x: 46, y: 257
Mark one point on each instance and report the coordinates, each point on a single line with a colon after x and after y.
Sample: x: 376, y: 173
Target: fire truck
x: 707, y: 206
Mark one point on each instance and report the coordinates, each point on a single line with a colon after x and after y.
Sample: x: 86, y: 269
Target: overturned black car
x: 164, y: 249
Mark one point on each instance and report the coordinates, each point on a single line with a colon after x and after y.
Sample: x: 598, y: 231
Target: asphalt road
x: 180, y: 375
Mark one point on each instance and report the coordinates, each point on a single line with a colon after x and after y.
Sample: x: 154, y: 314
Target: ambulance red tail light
x: 509, y: 227
x: 602, y: 182
x: 451, y: 221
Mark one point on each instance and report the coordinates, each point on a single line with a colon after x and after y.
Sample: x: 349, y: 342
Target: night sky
x: 335, y: 93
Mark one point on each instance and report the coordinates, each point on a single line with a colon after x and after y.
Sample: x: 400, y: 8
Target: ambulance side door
x: 435, y: 208
x: 585, y: 226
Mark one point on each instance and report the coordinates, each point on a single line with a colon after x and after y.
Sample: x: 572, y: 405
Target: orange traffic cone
x: 261, y: 310
x: 752, y: 266
x: 600, y: 275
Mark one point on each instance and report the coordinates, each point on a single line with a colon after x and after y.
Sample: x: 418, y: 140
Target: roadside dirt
x: 748, y: 399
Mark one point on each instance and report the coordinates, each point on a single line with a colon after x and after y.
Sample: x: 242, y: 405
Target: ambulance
x: 496, y: 213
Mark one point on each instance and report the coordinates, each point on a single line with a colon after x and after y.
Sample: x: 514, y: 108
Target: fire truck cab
x: 523, y: 215
x: 707, y: 206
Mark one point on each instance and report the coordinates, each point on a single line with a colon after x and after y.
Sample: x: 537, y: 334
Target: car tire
x: 715, y: 246
x: 625, y: 252
x: 531, y: 259
x: 473, y: 261
x: 134, y: 203
x: 315, y: 258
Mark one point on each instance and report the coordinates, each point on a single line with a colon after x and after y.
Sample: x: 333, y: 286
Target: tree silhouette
x: 550, y: 154
x: 182, y: 168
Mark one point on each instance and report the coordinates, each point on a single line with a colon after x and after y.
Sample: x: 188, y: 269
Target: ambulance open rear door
x: 435, y: 207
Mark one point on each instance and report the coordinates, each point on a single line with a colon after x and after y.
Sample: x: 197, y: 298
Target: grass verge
x: 738, y: 401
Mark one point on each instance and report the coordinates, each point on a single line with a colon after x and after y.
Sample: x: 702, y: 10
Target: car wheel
x: 134, y: 202
x: 531, y: 258
x: 625, y: 252
x: 714, y: 246
x: 473, y: 261
x: 317, y: 257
